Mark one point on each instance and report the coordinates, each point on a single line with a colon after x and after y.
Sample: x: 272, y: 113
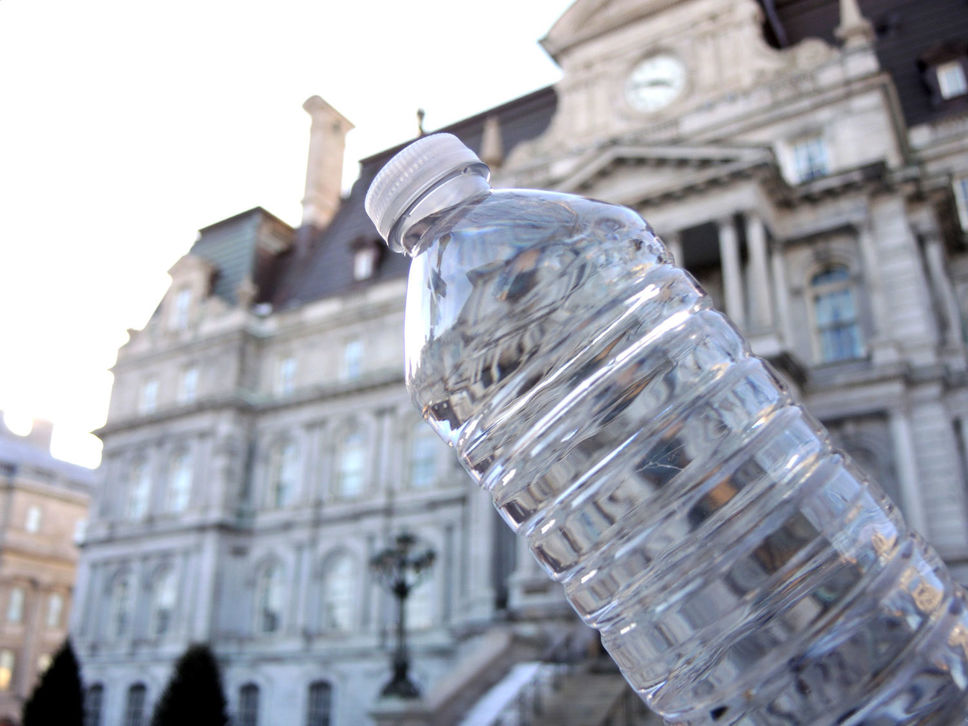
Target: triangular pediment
x: 586, y: 19
x: 658, y: 169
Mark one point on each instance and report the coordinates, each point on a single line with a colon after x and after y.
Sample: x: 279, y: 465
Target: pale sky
x: 127, y: 126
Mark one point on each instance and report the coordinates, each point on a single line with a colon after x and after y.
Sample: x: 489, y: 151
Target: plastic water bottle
x: 739, y: 569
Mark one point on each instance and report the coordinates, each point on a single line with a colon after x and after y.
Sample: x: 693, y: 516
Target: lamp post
x: 400, y: 568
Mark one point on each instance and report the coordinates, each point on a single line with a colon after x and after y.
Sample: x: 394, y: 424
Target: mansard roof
x: 906, y: 31
x: 322, y: 265
x: 319, y: 263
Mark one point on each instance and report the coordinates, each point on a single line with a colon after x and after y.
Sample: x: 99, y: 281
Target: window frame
x: 188, y: 385
x: 817, y: 291
x: 424, y: 457
x: 269, y: 599
x: 135, y: 702
x: 285, y: 375
x: 165, y: 584
x: 247, y: 713
x: 8, y: 670
x: 120, y: 605
x: 181, y: 475
x: 948, y: 73
x: 351, y: 465
x: 139, y: 489
x: 55, y: 615
x: 283, y: 474
x: 16, y: 601
x: 93, y: 704
x: 33, y: 519
x: 319, y: 703
x: 960, y: 186
x: 809, y: 165
x: 148, y: 396
x: 339, y: 569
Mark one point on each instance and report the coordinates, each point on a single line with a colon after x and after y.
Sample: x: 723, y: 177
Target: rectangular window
x: 134, y: 708
x: 353, y: 359
x: 961, y: 200
x: 32, y: 521
x: 320, y: 704
x: 179, y: 482
x: 6, y: 668
x: 249, y: 705
x: 149, y: 396
x: 951, y: 79
x: 188, y: 385
x: 15, y: 605
x: 810, y: 158
x: 55, y: 606
x: 285, y: 375
x: 92, y: 705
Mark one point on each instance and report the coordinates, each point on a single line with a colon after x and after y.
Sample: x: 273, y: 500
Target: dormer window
x: 944, y: 69
x: 951, y: 79
x: 366, y: 254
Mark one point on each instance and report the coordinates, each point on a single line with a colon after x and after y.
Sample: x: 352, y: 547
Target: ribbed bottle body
x: 739, y: 569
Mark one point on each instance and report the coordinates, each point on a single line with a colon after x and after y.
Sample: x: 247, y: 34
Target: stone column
x: 732, y: 275
x: 947, y: 302
x: 907, y: 469
x: 781, y: 294
x: 868, y: 251
x: 761, y: 306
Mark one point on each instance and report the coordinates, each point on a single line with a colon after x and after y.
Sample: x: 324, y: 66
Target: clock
x: 655, y: 82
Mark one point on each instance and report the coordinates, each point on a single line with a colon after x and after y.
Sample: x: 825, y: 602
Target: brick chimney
x: 324, y: 172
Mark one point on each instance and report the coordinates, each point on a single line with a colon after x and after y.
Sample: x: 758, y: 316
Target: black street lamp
x: 400, y: 569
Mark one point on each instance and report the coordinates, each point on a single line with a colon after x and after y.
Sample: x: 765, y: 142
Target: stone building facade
x: 806, y: 160
x: 43, y: 512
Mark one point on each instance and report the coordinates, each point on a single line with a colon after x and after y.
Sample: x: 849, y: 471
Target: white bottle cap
x: 410, y: 173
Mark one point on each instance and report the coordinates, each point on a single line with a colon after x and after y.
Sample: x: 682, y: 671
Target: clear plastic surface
x: 739, y: 569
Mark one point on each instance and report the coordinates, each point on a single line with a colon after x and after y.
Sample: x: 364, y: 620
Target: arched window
x: 248, y: 714
x: 179, y: 482
x: 139, y: 489
x: 835, y: 314
x: 134, y: 705
x: 119, y: 610
x: 269, y: 600
x: 320, y: 704
x: 352, y: 465
x: 163, y: 597
x: 339, y: 594
x: 93, y: 700
x: 283, y: 474
x: 423, y: 457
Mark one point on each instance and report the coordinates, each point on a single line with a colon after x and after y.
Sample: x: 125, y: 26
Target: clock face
x: 655, y: 82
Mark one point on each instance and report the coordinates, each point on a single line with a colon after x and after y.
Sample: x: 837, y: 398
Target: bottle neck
x: 469, y: 182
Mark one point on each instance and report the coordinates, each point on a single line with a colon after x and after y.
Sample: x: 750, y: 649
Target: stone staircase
x: 548, y: 694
